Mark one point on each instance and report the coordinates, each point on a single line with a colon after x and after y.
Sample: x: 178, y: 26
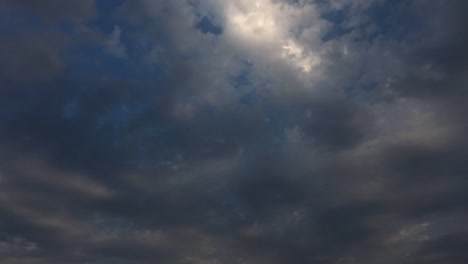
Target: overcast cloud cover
x: 233, y: 131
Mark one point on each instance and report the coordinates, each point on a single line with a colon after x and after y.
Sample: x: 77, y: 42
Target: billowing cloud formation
x: 260, y: 26
x: 268, y: 131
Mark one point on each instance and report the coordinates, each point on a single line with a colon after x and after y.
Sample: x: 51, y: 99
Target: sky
x: 233, y: 131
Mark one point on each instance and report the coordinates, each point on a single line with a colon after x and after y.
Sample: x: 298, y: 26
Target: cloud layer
x: 268, y: 131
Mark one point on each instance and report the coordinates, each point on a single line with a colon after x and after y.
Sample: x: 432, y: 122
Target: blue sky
x: 233, y: 131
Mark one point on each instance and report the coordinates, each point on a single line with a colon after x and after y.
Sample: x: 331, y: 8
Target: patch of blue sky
x: 206, y: 26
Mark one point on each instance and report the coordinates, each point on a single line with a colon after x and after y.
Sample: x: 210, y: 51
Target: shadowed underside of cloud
x: 237, y: 131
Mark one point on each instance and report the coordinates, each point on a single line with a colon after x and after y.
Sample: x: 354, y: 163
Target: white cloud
x: 281, y: 40
x: 283, y: 43
x: 274, y: 32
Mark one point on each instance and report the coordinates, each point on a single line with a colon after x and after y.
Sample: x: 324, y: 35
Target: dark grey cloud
x: 446, y: 249
x: 157, y: 156
x: 23, y: 61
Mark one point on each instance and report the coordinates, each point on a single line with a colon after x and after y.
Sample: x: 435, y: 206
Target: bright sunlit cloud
x: 264, y: 26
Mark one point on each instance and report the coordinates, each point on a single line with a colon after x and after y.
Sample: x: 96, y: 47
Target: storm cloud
x: 236, y: 131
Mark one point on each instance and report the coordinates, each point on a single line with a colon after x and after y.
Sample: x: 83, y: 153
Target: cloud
x: 24, y: 62
x: 255, y: 26
x: 234, y: 132
x: 114, y: 45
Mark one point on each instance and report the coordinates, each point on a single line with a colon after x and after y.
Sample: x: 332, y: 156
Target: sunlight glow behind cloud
x: 264, y: 26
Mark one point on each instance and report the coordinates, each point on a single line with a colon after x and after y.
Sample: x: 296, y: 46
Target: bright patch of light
x: 296, y: 54
x: 262, y: 26
x: 253, y: 22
